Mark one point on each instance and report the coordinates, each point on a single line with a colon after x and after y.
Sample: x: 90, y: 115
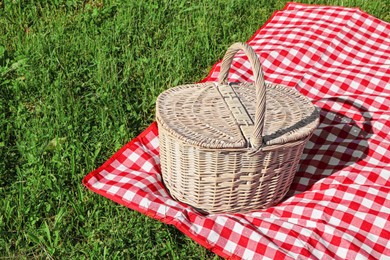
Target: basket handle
x: 256, y: 139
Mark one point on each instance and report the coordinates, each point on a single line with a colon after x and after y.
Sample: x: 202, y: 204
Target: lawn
x: 78, y: 80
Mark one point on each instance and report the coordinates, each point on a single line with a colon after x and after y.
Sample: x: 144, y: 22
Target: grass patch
x: 78, y: 80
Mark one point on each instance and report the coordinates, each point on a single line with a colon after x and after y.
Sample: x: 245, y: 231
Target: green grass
x: 78, y: 80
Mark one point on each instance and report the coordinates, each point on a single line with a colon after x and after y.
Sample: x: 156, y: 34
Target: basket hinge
x: 240, y: 113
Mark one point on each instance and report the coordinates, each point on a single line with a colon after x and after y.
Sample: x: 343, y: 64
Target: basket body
x: 215, y: 181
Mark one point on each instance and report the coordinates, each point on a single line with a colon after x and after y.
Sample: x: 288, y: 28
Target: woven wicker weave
x: 232, y: 147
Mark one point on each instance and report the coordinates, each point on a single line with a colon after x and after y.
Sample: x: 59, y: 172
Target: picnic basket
x: 232, y: 147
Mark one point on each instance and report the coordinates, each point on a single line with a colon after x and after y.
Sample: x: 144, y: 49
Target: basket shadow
x: 341, y: 140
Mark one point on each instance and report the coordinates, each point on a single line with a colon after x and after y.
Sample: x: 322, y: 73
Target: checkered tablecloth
x: 339, y: 202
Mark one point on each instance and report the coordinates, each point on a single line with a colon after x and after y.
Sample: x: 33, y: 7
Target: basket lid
x: 223, y: 115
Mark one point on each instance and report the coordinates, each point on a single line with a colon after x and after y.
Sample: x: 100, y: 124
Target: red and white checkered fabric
x: 339, y: 202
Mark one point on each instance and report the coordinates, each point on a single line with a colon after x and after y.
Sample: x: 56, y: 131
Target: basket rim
x: 263, y: 148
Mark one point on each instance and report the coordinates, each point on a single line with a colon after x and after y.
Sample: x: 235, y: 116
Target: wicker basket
x: 232, y: 147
